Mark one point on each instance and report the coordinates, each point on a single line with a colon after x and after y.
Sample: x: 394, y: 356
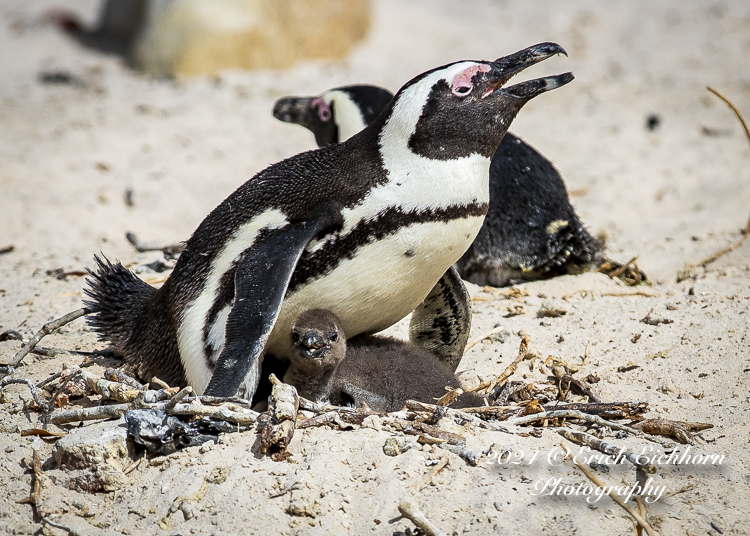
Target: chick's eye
x: 462, y: 90
x: 333, y: 336
x: 295, y: 336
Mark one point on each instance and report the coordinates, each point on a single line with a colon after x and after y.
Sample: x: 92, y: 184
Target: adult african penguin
x: 531, y: 230
x: 337, y: 114
x: 381, y: 371
x: 367, y: 229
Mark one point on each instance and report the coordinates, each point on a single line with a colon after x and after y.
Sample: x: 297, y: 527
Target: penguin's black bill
x: 503, y: 69
x: 532, y: 88
x: 294, y: 110
x: 313, y: 345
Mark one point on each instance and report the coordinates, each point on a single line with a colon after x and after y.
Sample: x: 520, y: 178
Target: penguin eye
x: 462, y: 90
x: 333, y: 336
x: 295, y: 336
x: 324, y: 111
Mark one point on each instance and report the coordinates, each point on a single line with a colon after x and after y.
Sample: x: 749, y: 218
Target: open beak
x: 313, y: 345
x: 503, y: 69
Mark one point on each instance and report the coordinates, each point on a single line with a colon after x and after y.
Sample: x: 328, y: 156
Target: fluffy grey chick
x: 380, y: 371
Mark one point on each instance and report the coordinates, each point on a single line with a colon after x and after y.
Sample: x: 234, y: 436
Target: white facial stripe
x: 190, y: 329
x: 410, y: 103
x: 346, y: 113
x: 416, y: 182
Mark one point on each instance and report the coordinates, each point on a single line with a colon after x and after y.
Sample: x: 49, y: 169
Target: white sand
x: 671, y: 196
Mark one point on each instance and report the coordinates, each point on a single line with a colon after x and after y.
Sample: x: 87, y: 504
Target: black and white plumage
x: 531, y: 230
x: 380, y: 371
x: 337, y: 114
x: 365, y: 229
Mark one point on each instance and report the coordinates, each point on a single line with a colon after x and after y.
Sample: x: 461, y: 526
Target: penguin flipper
x: 261, y: 282
x: 441, y: 323
x: 375, y: 401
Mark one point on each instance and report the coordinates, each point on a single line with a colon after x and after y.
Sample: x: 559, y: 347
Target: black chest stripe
x: 315, y: 264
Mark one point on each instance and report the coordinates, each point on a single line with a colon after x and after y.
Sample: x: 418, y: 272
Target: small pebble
x: 599, y: 467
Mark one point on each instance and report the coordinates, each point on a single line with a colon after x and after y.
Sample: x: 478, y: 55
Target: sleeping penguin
x: 380, y: 371
x: 531, y: 231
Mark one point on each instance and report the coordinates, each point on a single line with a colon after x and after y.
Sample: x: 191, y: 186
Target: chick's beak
x: 313, y: 345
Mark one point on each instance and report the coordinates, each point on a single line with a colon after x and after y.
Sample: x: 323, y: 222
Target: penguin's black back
x: 142, y: 322
x: 527, y: 195
x: 298, y: 186
x: 371, y: 100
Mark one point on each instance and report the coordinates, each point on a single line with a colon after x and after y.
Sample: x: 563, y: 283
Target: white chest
x: 383, y: 282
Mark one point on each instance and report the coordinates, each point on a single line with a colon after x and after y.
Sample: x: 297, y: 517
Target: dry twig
x: 572, y: 414
x: 711, y: 258
x: 47, y: 328
x: 523, y: 354
x: 95, y: 413
x: 439, y: 467
x: 168, y: 250
x: 420, y: 428
x: 477, y: 340
x: 56, y: 375
x: 734, y: 109
x: 643, y: 293
x: 642, y: 522
x: 619, y: 271
x: 185, y: 391
x: 683, y: 489
x: 458, y: 416
x: 279, y: 431
x: 51, y: 523
x: 566, y: 381
x: 229, y: 412
x: 680, y: 430
x: 35, y: 495
x: 746, y: 232
x: 606, y: 410
x: 629, y: 273
x: 409, y: 510
x: 34, y: 393
x: 133, y: 466
x: 582, y: 438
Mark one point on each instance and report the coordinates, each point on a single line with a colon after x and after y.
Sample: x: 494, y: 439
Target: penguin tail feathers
x: 118, y: 299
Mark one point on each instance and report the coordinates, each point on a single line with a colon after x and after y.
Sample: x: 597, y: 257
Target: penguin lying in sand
x: 531, y: 230
x: 368, y: 229
x: 380, y: 371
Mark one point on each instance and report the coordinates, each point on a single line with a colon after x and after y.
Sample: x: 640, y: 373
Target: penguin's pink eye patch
x: 461, y: 85
x: 324, y: 111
